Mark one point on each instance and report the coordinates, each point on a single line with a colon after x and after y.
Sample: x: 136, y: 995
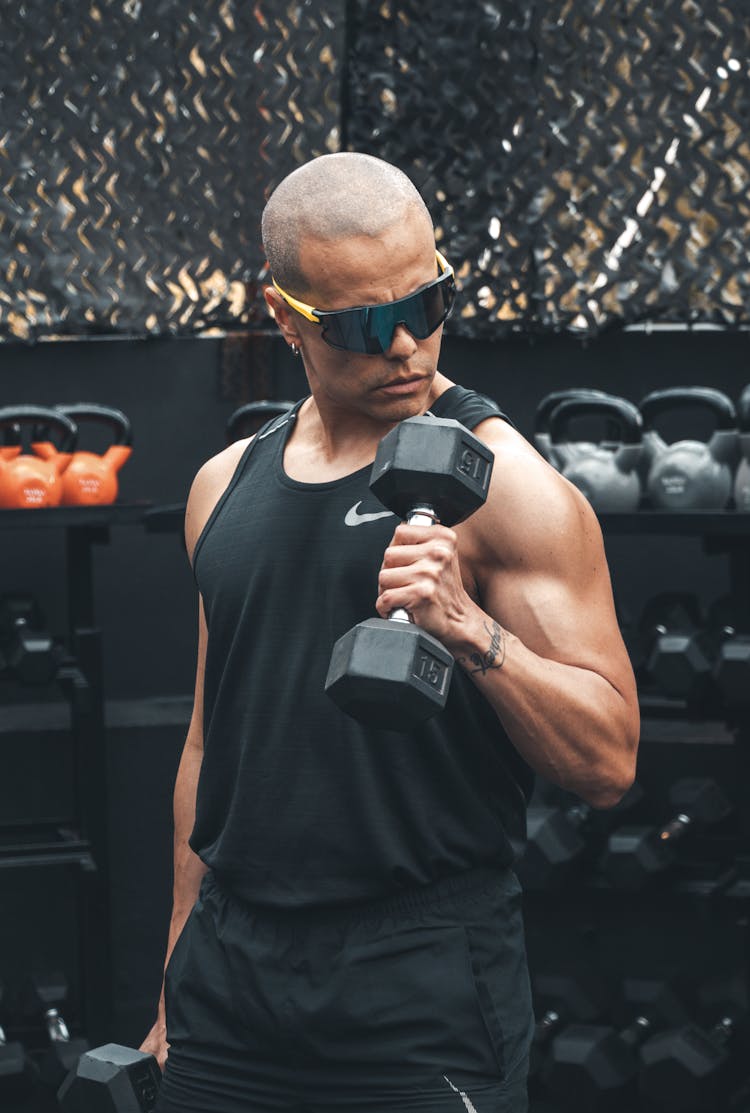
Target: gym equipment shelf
x: 692, y: 523
x: 84, y: 842
x: 45, y: 846
x: 688, y: 523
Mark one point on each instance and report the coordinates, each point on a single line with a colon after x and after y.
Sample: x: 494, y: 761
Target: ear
x: 285, y: 318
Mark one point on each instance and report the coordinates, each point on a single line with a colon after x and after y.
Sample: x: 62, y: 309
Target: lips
x: 402, y: 386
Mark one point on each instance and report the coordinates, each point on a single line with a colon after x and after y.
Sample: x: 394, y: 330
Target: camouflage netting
x: 136, y: 141
x: 586, y: 162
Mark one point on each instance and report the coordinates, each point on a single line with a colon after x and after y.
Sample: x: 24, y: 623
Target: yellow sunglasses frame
x: 309, y: 311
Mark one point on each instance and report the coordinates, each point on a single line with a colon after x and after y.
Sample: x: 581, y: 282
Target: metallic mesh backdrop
x: 585, y: 161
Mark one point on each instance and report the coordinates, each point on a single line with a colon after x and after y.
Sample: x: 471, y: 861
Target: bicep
x: 555, y: 592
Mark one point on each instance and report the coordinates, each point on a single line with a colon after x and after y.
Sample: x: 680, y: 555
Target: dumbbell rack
x: 724, y: 533
x: 621, y: 932
x: 84, y: 848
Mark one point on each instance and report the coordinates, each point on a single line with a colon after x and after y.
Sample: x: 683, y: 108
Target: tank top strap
x: 467, y: 406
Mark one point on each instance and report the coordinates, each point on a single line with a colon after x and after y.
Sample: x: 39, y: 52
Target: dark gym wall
x: 175, y: 394
x: 170, y: 389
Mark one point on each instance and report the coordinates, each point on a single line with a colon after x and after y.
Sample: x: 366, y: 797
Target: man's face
x: 356, y: 271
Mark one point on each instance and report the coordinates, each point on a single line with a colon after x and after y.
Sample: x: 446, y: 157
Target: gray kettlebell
x: 541, y: 423
x: 689, y: 474
x: 742, y: 478
x: 606, y: 473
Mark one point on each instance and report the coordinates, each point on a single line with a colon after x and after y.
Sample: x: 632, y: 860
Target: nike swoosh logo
x: 353, y: 518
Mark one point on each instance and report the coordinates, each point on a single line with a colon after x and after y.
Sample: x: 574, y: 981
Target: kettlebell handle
x: 621, y: 412
x: 95, y: 413
x: 551, y: 401
x: 659, y: 402
x: 743, y: 410
x: 23, y: 415
x: 12, y: 435
x: 262, y: 410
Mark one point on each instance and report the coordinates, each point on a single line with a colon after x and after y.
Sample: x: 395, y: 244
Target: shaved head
x: 346, y: 194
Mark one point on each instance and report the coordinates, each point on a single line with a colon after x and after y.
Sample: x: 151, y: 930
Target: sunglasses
x: 368, y: 329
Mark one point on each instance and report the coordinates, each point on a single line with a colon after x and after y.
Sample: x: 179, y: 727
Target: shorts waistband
x: 410, y: 901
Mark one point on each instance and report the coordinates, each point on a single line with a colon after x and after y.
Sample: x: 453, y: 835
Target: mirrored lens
x: 369, y: 330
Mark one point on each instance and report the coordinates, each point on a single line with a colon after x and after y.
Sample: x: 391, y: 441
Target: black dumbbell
x: 667, y: 610
x: 15, y: 1077
x: 731, y: 670
x: 593, y: 1068
x: 694, y: 1069
x: 557, y: 838
x: 388, y: 672
x: 47, y: 995
x: 29, y: 652
x: 248, y: 419
x: 671, y: 629
x: 634, y: 854
x: 111, y: 1079
x: 560, y: 999
x: 682, y: 661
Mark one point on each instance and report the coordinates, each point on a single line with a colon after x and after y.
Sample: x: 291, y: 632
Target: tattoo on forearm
x: 493, y: 658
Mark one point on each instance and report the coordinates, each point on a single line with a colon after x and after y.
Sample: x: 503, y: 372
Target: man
x: 356, y: 943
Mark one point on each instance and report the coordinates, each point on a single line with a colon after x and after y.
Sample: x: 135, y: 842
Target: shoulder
x: 207, y: 488
x: 533, y: 516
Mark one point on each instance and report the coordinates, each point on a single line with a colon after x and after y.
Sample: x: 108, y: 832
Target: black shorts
x: 420, y: 1002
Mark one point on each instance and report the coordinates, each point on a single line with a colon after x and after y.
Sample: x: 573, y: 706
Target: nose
x: 403, y: 345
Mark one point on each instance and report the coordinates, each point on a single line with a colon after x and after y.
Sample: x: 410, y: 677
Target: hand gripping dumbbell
x: 111, y: 1079
x: 695, y: 1069
x: 557, y: 838
x: 593, y: 1068
x: 387, y: 672
x: 634, y: 854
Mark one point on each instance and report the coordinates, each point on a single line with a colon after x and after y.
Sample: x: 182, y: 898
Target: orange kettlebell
x: 26, y: 481
x: 91, y: 479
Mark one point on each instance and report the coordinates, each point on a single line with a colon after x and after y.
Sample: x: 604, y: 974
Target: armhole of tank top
x: 270, y: 427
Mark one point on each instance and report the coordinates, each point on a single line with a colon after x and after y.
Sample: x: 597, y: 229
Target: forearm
x: 189, y: 870
x: 569, y: 723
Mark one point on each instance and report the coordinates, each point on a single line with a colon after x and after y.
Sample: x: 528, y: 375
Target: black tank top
x: 298, y: 804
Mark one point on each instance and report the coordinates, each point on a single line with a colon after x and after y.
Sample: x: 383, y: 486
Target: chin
x: 399, y: 409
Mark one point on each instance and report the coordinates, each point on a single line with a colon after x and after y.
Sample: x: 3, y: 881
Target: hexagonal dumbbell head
x: 389, y: 673
x: 681, y: 1069
x: 111, y: 1079
x: 553, y: 843
x: 701, y: 799
x: 435, y: 462
x: 732, y: 671
x: 634, y: 854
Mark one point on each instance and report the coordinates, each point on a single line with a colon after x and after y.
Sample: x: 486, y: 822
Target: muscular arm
x: 521, y: 596
x: 188, y: 868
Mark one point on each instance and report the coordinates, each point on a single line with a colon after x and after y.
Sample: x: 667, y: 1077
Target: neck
x: 329, y: 442
x: 337, y: 427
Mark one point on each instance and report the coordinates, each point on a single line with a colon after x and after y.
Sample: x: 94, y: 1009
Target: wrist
x: 483, y: 645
